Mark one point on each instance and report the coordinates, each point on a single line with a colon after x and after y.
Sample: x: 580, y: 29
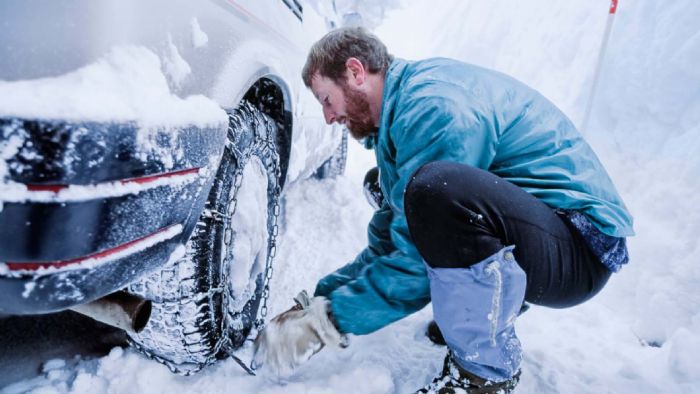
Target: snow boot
x: 435, y: 335
x: 454, y: 379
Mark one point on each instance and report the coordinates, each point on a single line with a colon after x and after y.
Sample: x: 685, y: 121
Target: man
x: 491, y: 198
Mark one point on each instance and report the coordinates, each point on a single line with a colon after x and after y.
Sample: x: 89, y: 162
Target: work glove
x: 292, y: 337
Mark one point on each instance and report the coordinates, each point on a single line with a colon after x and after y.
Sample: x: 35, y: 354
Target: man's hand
x: 292, y: 337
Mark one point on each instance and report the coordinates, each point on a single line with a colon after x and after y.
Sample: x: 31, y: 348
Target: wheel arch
x: 271, y: 95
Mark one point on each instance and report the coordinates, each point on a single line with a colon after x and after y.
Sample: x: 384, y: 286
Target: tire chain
x: 273, y: 227
x: 224, y: 342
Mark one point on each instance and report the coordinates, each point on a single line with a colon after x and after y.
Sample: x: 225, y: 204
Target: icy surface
x: 127, y: 84
x: 644, y: 127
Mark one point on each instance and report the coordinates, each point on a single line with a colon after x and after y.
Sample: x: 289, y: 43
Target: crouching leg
x: 475, y: 308
x: 477, y: 287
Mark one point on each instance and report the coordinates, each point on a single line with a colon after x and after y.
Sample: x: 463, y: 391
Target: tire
x: 335, y: 165
x: 205, y: 303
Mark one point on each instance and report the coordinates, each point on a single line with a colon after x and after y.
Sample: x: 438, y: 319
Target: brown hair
x: 329, y: 54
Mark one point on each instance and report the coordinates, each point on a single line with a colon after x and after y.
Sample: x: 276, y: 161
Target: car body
x: 113, y: 123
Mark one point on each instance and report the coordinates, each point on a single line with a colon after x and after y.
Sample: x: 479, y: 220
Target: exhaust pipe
x: 120, y: 309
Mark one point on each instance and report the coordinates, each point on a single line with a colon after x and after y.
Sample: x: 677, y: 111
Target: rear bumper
x: 88, y: 208
x: 63, y: 288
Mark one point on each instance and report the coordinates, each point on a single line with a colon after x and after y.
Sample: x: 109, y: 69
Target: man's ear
x: 355, y: 71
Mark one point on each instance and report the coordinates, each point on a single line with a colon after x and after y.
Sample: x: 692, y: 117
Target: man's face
x: 344, y: 104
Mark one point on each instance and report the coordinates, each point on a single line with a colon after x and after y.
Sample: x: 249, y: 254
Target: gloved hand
x: 292, y: 337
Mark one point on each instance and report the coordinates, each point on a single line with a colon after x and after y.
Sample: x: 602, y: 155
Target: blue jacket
x: 442, y: 109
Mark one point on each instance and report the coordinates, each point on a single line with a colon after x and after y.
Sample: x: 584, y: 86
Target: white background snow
x: 645, y: 126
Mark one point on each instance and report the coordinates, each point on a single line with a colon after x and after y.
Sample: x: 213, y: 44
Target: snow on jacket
x: 442, y: 109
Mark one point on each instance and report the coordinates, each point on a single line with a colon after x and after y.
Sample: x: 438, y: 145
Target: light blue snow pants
x: 475, y: 309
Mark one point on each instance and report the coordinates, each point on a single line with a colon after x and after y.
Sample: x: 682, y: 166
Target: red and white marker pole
x: 599, y: 65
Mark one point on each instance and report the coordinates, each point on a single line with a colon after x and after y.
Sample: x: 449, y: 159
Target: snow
x: 28, y: 288
x: 138, y: 91
x: 175, y: 66
x: 369, y: 13
x: 10, y: 144
x: 645, y: 127
x: 199, y: 37
x: 15, y: 192
x: 55, y: 363
x: 176, y: 255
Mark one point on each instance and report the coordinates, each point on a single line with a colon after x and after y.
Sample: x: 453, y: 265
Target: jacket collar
x: 392, y: 83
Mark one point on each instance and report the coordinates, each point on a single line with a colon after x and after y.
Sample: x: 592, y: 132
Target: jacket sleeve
x: 392, y: 283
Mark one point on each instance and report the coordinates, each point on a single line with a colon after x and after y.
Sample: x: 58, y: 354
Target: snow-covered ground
x: 640, y: 335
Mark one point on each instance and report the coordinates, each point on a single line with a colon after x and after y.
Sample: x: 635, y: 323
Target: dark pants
x: 459, y: 215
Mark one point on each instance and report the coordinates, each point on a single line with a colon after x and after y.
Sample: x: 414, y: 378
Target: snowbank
x: 645, y: 126
x: 648, y: 116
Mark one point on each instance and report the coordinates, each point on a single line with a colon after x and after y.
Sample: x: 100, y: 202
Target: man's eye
x: 326, y: 101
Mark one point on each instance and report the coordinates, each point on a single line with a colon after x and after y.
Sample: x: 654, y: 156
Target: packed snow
x: 640, y: 335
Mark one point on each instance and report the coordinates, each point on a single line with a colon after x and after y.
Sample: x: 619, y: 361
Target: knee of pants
x: 426, y: 196
x: 443, y: 217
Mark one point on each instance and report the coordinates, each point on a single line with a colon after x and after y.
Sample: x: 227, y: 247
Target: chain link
x: 274, y: 229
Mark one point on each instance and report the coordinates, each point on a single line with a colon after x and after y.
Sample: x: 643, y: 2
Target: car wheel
x: 205, y: 303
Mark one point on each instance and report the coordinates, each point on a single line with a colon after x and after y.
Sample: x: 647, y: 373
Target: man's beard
x: 359, y: 121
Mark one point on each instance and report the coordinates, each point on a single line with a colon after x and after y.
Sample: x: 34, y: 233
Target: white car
x: 144, y: 146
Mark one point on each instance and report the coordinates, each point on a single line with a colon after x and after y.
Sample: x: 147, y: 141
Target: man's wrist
x: 344, y: 340
x: 331, y: 316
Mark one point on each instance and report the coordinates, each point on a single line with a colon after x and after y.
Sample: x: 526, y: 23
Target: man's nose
x: 329, y: 115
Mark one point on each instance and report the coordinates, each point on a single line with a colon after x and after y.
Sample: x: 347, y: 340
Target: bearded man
x: 491, y: 198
